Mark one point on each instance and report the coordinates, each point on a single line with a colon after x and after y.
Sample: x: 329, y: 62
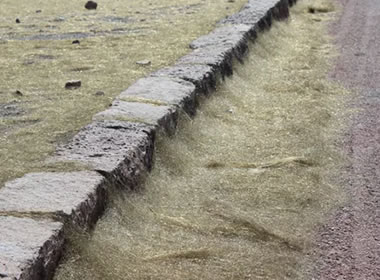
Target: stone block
x: 220, y: 59
x: 160, y: 116
x: 29, y: 249
x: 163, y: 91
x: 202, y: 76
x: 75, y: 196
x: 121, y: 151
x: 230, y: 38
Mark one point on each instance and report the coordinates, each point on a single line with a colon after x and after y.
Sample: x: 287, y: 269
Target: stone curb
x: 118, y: 146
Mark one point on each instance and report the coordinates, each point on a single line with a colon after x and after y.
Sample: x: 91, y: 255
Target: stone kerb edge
x: 119, y: 144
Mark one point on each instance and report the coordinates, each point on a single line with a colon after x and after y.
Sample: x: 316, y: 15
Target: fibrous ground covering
x: 37, y: 58
x: 238, y: 192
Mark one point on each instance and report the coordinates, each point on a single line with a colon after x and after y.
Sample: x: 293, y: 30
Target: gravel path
x: 349, y: 245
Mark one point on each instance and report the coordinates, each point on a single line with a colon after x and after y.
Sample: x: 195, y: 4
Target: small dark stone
x: 73, y: 84
x: 76, y: 42
x: 18, y: 93
x: 2, y: 275
x: 38, y: 11
x: 91, y: 5
x: 311, y: 10
x: 18, y: 20
x: 99, y: 93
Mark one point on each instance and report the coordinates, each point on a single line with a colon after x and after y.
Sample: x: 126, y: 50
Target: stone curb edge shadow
x: 37, y: 209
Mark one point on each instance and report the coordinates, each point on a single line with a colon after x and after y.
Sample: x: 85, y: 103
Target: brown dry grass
x: 40, y: 69
x: 237, y: 193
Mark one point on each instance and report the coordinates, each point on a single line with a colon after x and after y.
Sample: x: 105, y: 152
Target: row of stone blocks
x: 37, y: 209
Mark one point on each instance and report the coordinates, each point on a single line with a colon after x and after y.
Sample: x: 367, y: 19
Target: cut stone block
x: 29, y: 249
x: 219, y: 58
x: 202, y: 76
x: 121, y: 151
x: 77, y: 196
x: 259, y: 13
x: 164, y: 91
x: 165, y: 117
x: 230, y: 38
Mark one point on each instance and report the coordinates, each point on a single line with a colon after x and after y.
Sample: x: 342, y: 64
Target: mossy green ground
x: 239, y: 191
x: 159, y: 31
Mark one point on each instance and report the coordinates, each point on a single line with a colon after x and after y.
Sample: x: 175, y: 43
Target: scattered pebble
x: 91, y: 5
x: 18, y: 20
x: 73, y: 84
x: 144, y: 62
x: 38, y: 11
x: 18, y: 93
x: 99, y: 93
x: 76, y: 42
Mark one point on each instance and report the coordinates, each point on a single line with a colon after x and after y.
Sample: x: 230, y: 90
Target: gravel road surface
x: 349, y: 245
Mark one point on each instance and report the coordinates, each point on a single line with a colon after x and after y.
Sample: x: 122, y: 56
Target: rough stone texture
x: 259, y: 13
x: 160, y: 116
x: 170, y: 91
x: 29, y: 249
x: 231, y: 39
x: 77, y: 196
x: 202, y: 76
x: 121, y: 151
x: 218, y: 58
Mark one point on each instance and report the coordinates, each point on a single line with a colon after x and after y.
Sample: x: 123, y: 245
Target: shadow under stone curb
x: 118, y: 146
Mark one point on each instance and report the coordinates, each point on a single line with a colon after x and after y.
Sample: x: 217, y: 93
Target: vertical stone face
x: 160, y: 116
x: 76, y: 196
x: 29, y: 249
x: 121, y: 151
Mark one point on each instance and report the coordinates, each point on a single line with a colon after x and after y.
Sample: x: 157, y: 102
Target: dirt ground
x: 349, y: 245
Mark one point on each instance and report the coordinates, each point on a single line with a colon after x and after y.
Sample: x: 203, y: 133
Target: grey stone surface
x: 219, y: 58
x: 230, y: 39
x: 77, y: 196
x: 160, y: 116
x: 121, y: 151
x: 29, y: 249
x: 202, y: 76
x: 169, y: 91
x: 259, y: 13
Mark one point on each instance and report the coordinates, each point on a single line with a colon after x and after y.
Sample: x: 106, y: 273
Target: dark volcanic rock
x: 91, y: 5
x: 76, y: 42
x: 18, y: 20
x: 73, y: 84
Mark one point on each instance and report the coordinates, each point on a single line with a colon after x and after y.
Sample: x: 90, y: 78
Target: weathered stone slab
x: 29, y: 249
x: 218, y: 58
x: 259, y: 13
x: 121, y: 151
x: 77, y: 196
x: 160, y: 116
x: 231, y: 39
x: 202, y: 76
x: 164, y: 90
